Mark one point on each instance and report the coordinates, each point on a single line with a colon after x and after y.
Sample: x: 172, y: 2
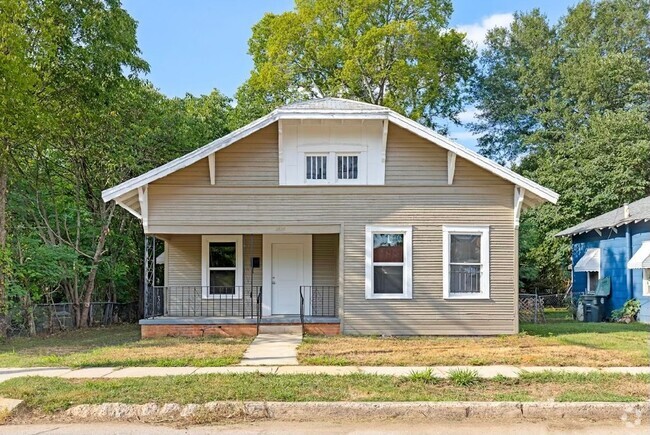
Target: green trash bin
x: 592, y: 308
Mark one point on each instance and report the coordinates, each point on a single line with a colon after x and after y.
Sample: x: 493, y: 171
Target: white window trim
x: 646, y: 281
x: 484, y: 232
x: 361, y: 168
x: 589, y: 279
x: 205, y: 262
x: 407, y: 264
x: 332, y: 154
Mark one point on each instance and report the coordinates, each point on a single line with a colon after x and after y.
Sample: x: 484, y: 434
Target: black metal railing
x: 318, y: 301
x: 203, y: 301
x: 259, y: 308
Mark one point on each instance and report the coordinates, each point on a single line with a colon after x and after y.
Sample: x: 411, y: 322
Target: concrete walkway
x: 440, y: 371
x: 273, y: 350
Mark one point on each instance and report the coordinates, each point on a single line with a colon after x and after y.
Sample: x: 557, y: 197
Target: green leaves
x: 394, y: 53
x: 568, y: 105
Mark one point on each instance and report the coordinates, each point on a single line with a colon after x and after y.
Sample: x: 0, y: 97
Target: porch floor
x: 268, y: 320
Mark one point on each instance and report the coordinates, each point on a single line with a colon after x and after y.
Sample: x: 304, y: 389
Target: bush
x: 628, y: 312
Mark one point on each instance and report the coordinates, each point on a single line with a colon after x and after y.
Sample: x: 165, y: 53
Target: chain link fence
x: 531, y: 306
x: 51, y: 318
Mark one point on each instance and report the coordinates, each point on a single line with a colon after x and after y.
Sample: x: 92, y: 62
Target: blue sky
x: 194, y: 46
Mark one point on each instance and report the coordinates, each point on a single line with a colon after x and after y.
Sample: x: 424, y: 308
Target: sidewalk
x: 440, y: 371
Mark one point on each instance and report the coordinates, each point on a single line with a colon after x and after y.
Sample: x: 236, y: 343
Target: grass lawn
x: 119, y: 346
x: 54, y: 394
x: 559, y: 342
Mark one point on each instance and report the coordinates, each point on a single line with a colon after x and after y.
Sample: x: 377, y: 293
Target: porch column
x: 149, y: 275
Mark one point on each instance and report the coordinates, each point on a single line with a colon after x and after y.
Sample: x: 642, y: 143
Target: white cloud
x: 468, y: 115
x: 476, y: 32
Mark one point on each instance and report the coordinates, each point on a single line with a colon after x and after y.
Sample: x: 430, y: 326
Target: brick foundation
x: 153, y: 331
x: 322, y: 328
x: 245, y: 330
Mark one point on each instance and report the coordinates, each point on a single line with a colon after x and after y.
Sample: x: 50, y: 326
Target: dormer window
x: 316, y: 167
x: 348, y: 167
x: 345, y: 167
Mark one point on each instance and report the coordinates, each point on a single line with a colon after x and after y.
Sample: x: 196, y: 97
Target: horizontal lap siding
x: 184, y: 297
x: 416, y: 193
x: 325, y: 272
x: 253, y: 161
x: 325, y: 259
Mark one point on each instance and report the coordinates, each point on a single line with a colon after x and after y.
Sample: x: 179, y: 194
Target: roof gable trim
x: 297, y: 113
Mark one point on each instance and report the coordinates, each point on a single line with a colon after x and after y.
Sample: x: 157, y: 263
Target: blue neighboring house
x: 616, y: 245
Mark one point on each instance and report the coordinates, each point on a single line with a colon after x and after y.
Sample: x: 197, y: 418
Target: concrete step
x: 280, y: 329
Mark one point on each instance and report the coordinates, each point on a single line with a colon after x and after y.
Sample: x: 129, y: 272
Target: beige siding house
x: 337, y: 215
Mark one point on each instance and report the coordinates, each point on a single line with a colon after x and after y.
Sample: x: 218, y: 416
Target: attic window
x: 348, y: 167
x: 316, y: 167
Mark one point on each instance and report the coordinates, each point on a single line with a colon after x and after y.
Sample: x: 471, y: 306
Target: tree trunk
x: 4, y: 254
x: 89, y: 286
x: 28, y: 307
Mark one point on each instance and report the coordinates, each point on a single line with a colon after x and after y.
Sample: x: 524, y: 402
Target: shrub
x: 628, y: 312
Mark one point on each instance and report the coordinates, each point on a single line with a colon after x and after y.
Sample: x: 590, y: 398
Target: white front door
x: 286, y: 267
x: 287, y: 277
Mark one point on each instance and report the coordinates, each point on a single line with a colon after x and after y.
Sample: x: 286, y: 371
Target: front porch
x: 237, y: 284
x: 183, y: 311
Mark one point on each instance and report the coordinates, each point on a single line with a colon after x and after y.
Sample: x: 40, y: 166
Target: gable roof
x: 334, y: 108
x: 639, y: 211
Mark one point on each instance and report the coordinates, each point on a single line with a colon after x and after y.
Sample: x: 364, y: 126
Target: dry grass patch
x: 525, y: 350
x: 119, y: 345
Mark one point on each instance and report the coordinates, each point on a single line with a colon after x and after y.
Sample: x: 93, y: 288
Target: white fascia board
x: 190, y: 158
x: 473, y: 157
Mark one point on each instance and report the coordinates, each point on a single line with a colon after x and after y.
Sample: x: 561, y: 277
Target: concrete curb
x: 633, y: 413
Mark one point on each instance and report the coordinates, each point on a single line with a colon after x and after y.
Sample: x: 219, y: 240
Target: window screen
x: 222, y: 268
x: 465, y: 263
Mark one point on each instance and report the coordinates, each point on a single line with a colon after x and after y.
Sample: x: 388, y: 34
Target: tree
x: 74, y: 54
x: 396, y: 53
x: 569, y: 106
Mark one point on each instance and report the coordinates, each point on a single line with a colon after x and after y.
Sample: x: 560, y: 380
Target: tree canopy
x: 77, y: 119
x: 568, y: 104
x: 396, y: 53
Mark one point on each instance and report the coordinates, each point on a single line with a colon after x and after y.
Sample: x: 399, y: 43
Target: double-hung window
x: 646, y: 282
x: 222, y: 260
x: 388, y: 262
x: 466, y: 262
x: 334, y: 167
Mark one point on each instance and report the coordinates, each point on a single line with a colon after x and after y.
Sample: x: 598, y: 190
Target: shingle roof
x: 639, y: 211
x: 330, y: 103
